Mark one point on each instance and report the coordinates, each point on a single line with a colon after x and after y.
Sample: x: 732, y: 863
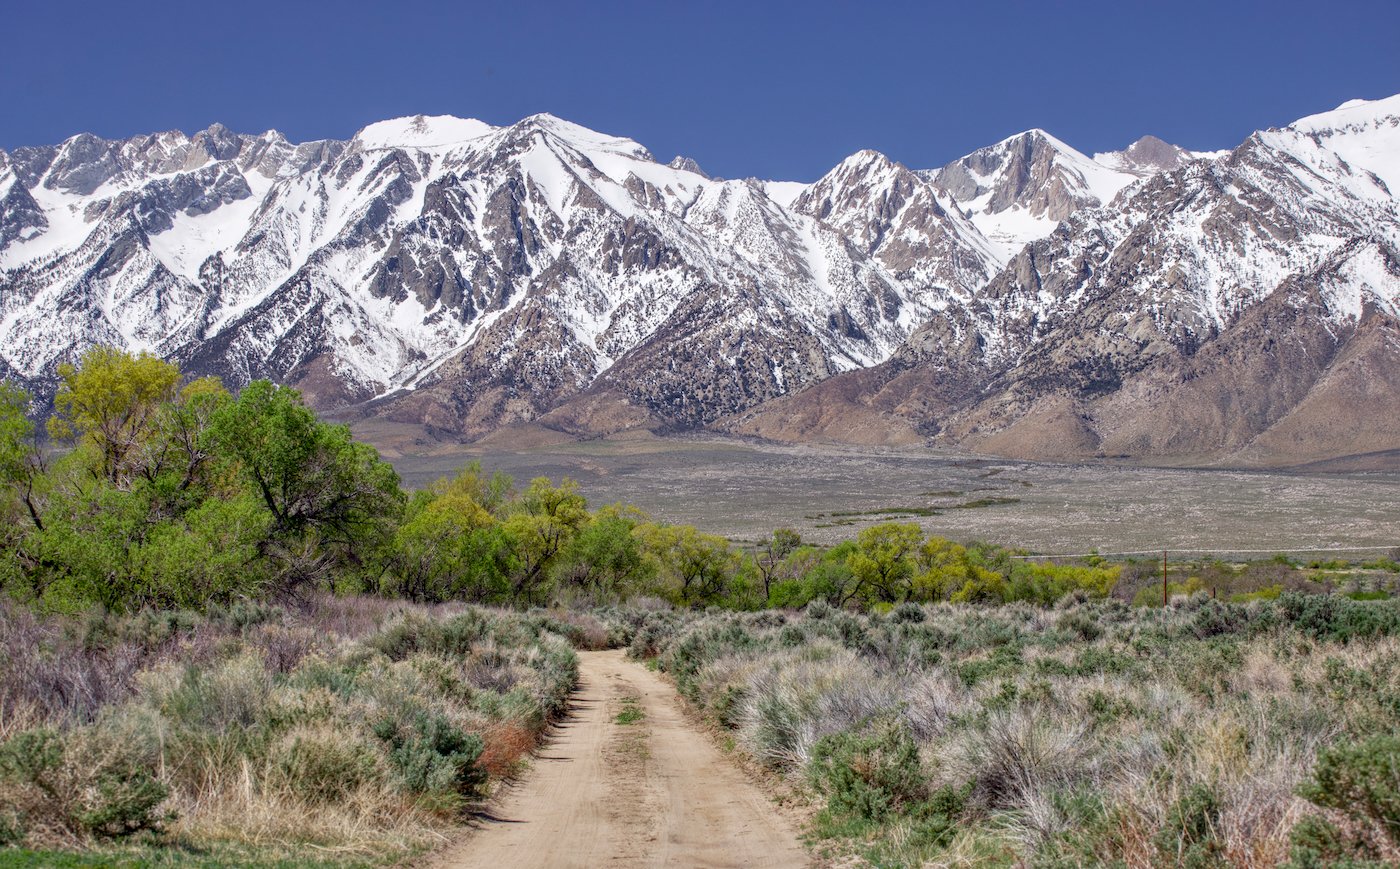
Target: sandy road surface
x: 656, y: 792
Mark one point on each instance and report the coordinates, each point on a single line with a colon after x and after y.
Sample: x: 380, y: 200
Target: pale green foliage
x: 696, y: 567
x: 950, y: 572
x: 605, y: 561
x: 111, y: 400
x: 449, y: 548
x: 20, y: 460
x: 884, y: 560
x: 545, y: 522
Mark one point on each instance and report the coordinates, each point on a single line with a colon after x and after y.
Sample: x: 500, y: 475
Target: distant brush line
x: 1210, y: 552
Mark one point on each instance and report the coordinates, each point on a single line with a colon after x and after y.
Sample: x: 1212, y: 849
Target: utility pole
x: 1164, y: 577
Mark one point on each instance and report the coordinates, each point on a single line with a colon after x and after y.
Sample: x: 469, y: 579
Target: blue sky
x: 770, y: 89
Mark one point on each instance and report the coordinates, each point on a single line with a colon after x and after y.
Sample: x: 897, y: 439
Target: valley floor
x: 628, y: 781
x: 744, y: 489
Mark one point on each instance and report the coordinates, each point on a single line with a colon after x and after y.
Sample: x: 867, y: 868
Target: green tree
x: 771, y: 555
x: 91, y: 547
x: 699, y: 565
x: 811, y: 573
x: 952, y: 572
x: 450, y: 548
x: 544, y: 522
x: 605, y: 561
x: 210, y: 554
x: 111, y: 401
x: 490, y: 493
x: 179, y: 448
x: 21, y: 462
x: 1045, y: 583
x: 883, y: 561
x: 332, y: 500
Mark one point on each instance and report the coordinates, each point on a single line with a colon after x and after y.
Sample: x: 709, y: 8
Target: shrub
x: 907, y: 613
x: 1081, y: 624
x: 1361, y: 780
x: 819, y: 609
x: 1337, y: 619
x: 1317, y: 843
x: 432, y: 755
x: 869, y: 773
x: 1191, y: 838
x: 50, y: 782
x: 321, y: 766
x: 122, y: 801
x: 1015, y: 754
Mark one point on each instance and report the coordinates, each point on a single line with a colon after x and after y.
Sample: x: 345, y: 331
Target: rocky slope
x: 1025, y: 299
x: 468, y: 276
x: 1242, y: 309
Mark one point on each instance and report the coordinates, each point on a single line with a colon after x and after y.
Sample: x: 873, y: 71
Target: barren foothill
x: 652, y: 792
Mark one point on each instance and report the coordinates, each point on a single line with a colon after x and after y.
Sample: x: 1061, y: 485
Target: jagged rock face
x: 1019, y: 189
x: 1027, y: 171
x: 686, y: 164
x: 1149, y: 156
x: 895, y: 216
x: 460, y: 274
x: 1027, y: 300
x: 1217, y: 312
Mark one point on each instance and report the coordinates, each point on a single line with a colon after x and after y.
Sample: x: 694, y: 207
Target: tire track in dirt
x: 656, y: 792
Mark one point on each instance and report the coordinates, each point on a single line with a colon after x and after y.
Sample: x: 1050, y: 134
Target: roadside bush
x: 432, y: 755
x: 259, y: 720
x: 1190, y: 838
x: 1360, y: 783
x: 1339, y: 619
x: 321, y: 765
x: 870, y: 773
x: 54, y: 786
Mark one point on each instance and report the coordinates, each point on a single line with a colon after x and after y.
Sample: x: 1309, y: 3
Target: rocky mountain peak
x: 1147, y: 156
x: 686, y: 164
x: 450, y: 273
x: 1018, y: 190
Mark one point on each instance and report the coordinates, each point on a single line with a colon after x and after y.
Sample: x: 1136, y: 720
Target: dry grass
x: 331, y: 730
x: 1086, y: 749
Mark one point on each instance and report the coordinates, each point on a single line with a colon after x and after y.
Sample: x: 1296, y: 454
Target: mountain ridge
x: 461, y: 276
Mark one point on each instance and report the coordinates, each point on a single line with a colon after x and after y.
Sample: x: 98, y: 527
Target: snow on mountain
x: 503, y: 266
x: 1237, y: 307
x: 465, y: 276
x: 1019, y: 189
x: 1365, y: 134
x: 421, y: 131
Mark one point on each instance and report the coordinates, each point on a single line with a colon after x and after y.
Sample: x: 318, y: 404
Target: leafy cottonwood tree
x: 771, y: 555
x: 545, y: 521
x: 311, y: 475
x: 948, y: 569
x: 883, y: 561
x: 111, y: 401
x: 605, y: 560
x: 21, y: 462
x: 333, y: 502
x: 700, y: 565
x: 450, y: 548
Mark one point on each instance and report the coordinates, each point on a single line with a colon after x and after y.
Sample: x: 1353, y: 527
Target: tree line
x: 158, y: 490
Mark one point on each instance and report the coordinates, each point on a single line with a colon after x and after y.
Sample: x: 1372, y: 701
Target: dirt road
x: 653, y: 792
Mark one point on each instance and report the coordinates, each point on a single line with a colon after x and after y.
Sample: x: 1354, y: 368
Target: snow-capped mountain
x: 491, y: 272
x: 1026, y: 298
x: 1245, y: 307
x: 1018, y: 190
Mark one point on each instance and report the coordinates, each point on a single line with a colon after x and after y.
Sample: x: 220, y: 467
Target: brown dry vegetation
x: 1091, y: 733
x: 348, y: 728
